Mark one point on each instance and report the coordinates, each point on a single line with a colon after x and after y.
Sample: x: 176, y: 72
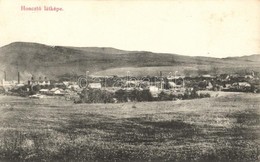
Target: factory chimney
x: 18, y: 77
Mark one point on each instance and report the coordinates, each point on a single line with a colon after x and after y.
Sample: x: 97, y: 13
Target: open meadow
x: 222, y: 128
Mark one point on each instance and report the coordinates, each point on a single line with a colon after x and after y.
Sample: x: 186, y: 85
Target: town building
x: 40, y: 81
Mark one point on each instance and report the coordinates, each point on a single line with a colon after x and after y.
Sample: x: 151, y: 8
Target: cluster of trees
x: 23, y: 91
x: 95, y: 96
x: 134, y: 95
x: 103, y: 96
x: 189, y: 94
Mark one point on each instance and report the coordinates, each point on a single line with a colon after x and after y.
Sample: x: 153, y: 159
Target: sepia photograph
x: 129, y: 81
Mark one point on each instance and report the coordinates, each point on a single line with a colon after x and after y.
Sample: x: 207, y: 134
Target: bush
x: 140, y: 95
x: 2, y: 90
x: 190, y: 94
x: 95, y: 96
x: 204, y: 95
x: 146, y: 95
x: 180, y: 96
x: 21, y: 91
x: 134, y: 95
x: 165, y: 97
x: 121, y: 95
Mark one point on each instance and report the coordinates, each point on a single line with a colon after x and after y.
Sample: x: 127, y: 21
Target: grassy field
x: 223, y: 128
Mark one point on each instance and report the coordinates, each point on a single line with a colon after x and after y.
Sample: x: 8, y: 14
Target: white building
x: 5, y: 83
x: 154, y: 91
x: 95, y: 85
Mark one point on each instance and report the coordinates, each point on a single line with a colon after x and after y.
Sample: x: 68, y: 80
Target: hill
x: 252, y: 58
x: 103, y: 50
x: 54, y: 61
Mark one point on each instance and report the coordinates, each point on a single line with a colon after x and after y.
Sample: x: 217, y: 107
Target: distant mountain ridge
x: 52, y: 61
x: 104, y: 50
x: 254, y: 57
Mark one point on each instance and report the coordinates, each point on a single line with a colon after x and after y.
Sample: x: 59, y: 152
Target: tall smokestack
x: 5, y: 75
x: 18, y: 77
x: 161, y: 79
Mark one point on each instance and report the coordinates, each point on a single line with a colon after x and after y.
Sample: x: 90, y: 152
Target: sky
x: 215, y: 28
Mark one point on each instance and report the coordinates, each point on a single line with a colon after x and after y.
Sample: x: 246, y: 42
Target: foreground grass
x: 225, y: 128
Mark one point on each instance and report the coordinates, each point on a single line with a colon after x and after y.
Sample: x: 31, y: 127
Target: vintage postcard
x: 149, y: 80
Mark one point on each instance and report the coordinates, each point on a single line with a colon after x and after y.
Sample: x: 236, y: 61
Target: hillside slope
x: 53, y: 61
